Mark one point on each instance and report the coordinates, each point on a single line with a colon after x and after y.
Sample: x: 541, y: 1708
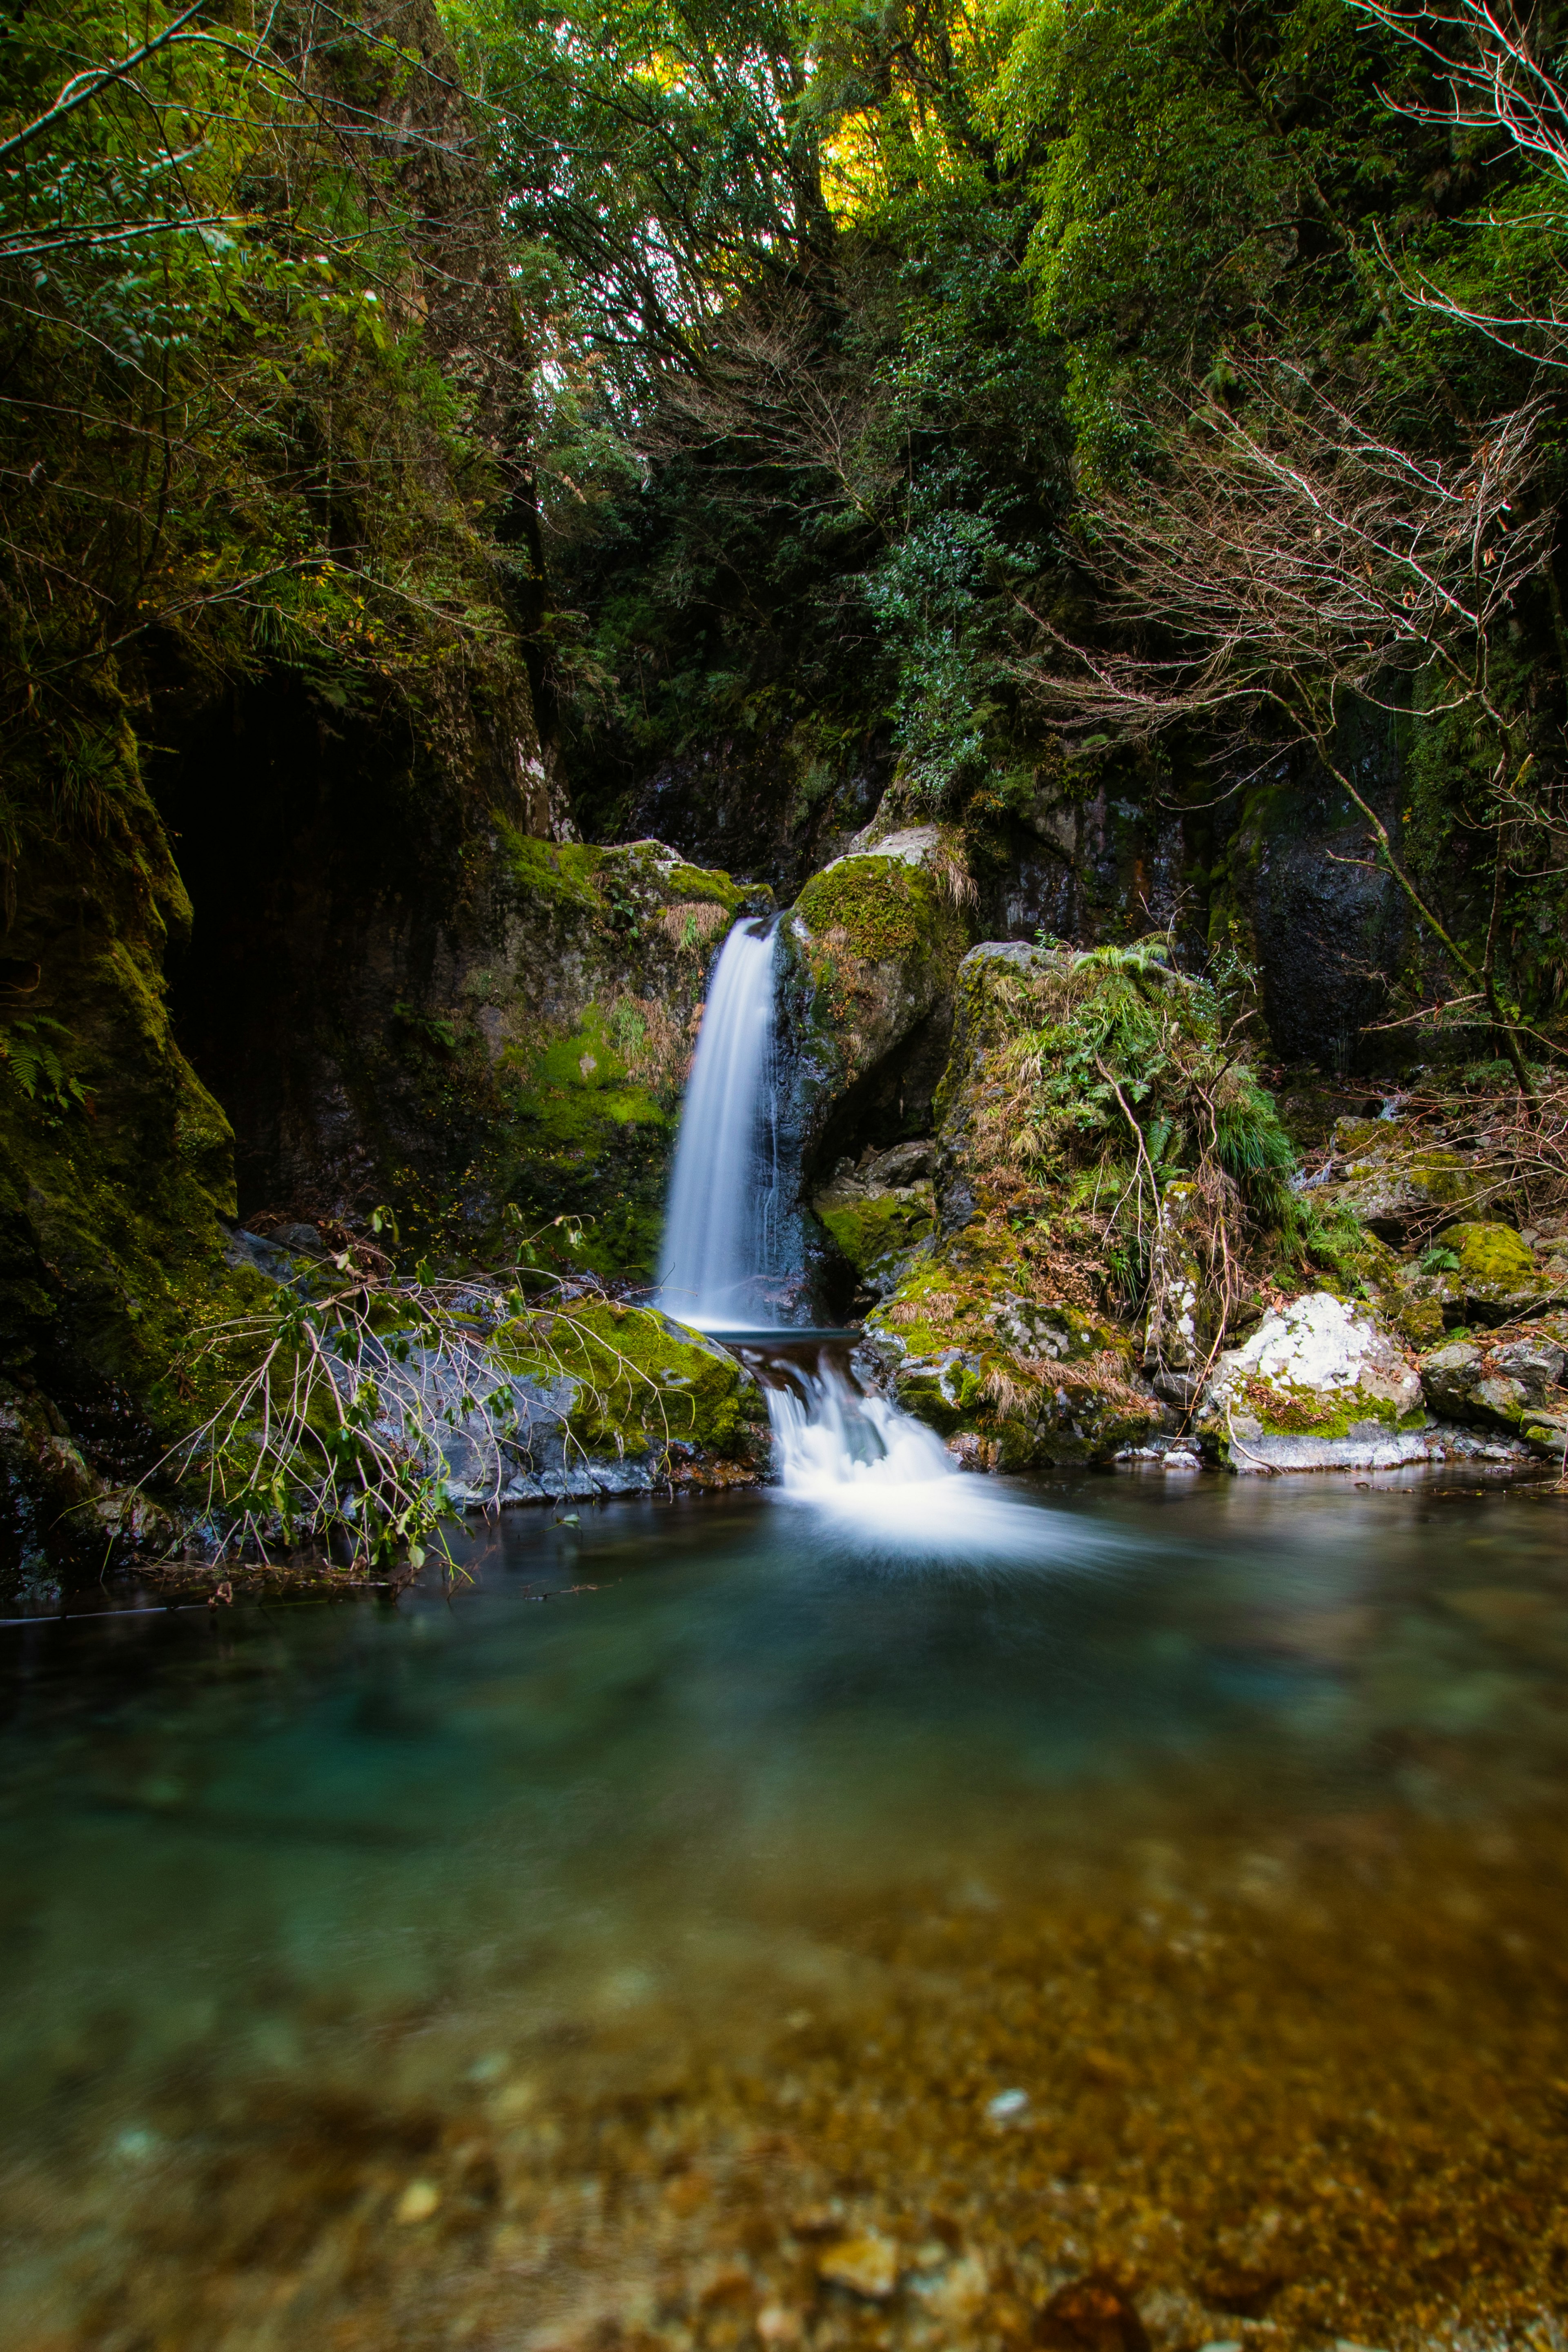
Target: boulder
x: 1497, y: 1277
x: 1012, y: 1378
x: 1395, y: 1184
x: 594, y: 1399
x: 874, y: 1224
x: 1320, y: 1385
x: 868, y: 960
x: 1514, y: 1387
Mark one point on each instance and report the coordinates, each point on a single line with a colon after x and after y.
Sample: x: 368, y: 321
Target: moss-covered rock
x: 876, y: 1227
x: 870, y: 957
x: 1395, y: 1183
x: 1492, y: 1256
x: 648, y: 1390
x: 974, y: 1349
x: 1320, y: 1385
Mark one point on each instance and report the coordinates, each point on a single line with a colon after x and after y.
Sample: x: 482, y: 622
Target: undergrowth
x: 1128, y: 1091
x: 329, y: 1408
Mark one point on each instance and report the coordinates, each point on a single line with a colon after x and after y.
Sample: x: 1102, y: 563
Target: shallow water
x: 581, y: 1955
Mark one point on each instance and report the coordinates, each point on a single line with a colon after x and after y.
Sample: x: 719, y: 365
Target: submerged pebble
x: 418, y: 2201
x: 866, y: 2266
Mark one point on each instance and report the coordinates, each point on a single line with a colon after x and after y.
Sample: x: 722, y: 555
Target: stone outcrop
x: 1394, y: 1184
x: 1320, y: 1385
x: 982, y: 1338
x: 1515, y: 1386
x: 878, y: 1210
x: 870, y: 952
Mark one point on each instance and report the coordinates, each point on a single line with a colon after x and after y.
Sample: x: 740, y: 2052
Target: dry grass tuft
x: 693, y: 922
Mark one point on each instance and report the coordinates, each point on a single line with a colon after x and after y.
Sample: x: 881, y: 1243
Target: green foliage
x: 1123, y: 1078
x: 35, y: 1066
x: 228, y: 447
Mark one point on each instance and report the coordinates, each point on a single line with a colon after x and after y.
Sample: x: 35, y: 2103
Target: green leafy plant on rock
x: 34, y: 1064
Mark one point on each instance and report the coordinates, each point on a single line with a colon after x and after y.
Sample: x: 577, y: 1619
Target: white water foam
x: 721, y: 1234
x: 869, y: 1468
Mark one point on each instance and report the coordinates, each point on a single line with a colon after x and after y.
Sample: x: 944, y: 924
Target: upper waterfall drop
x: 720, y: 1236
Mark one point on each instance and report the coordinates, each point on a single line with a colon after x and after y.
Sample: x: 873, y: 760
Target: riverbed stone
x: 1321, y: 1384
x: 867, y: 2266
x: 1514, y: 1387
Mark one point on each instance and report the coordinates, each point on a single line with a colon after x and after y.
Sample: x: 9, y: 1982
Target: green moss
x: 643, y: 1387
x: 883, y: 906
x: 875, y: 1230
x: 1492, y: 1256
x: 1420, y: 1321
x: 587, y: 1138
x: 1283, y: 1410
x: 558, y: 872
x: 713, y: 886
x: 974, y: 1352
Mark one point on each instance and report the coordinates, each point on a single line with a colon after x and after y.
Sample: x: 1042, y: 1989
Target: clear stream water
x: 304, y: 1905
x: 1116, y: 1914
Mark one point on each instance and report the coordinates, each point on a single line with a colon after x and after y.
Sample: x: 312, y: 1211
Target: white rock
x: 1320, y: 1385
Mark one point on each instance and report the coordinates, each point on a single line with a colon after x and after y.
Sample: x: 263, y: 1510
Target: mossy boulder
x: 1498, y: 1277
x: 648, y: 1389
x: 1013, y: 1380
x: 1394, y: 1182
x: 591, y: 1397
x: 876, y: 1223
x: 1320, y: 1385
x: 870, y: 957
x: 1492, y: 1256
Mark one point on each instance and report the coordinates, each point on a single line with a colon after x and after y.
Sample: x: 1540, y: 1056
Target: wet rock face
x: 1321, y: 925
x: 876, y: 1212
x: 867, y: 960
x: 1320, y: 1385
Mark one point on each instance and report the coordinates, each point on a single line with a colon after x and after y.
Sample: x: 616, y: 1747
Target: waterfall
x: 886, y: 1483
x: 722, y: 1232
x: 850, y: 1456
x: 828, y: 1435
